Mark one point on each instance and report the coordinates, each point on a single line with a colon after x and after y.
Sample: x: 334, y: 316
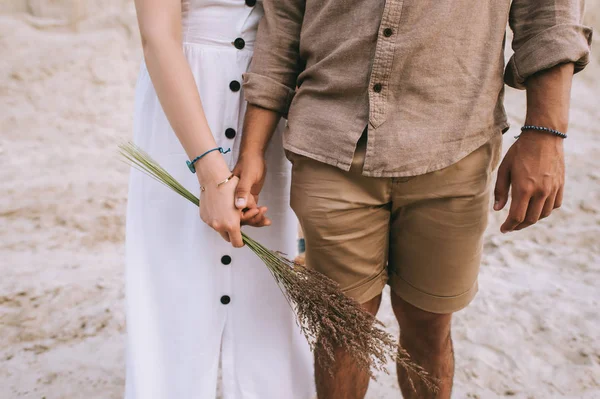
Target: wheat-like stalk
x: 328, y: 318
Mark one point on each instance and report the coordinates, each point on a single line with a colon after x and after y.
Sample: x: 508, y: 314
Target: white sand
x: 67, y: 70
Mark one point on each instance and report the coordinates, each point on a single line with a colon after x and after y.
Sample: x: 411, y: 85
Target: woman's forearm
x: 176, y: 90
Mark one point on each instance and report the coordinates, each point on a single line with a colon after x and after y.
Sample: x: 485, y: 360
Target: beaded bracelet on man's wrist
x: 543, y: 129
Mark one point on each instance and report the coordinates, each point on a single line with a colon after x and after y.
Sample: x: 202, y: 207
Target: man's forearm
x: 259, y: 125
x: 548, y: 97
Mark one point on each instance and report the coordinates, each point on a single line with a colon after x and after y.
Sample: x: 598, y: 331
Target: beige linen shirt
x: 426, y: 76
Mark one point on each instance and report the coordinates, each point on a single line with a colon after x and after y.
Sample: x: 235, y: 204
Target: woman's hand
x: 218, y: 211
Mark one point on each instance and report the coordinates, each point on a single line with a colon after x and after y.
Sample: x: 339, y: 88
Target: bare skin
x: 347, y: 381
x: 426, y: 337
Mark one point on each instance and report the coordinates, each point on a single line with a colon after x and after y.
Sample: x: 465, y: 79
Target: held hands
x: 534, y: 166
x: 251, y: 170
x: 217, y: 205
x: 217, y: 210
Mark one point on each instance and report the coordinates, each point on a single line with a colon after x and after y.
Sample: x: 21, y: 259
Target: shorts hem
x: 433, y: 303
x: 368, y: 290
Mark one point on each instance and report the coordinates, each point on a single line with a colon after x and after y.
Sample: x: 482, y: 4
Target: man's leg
x: 426, y: 337
x: 347, y: 381
x: 436, y: 239
x: 345, y: 218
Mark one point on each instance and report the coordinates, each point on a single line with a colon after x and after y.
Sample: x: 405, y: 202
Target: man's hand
x: 534, y: 166
x: 259, y: 125
x: 254, y: 215
x: 251, y: 171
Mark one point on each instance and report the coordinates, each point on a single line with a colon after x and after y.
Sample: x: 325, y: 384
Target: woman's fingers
x: 235, y: 235
x: 225, y: 236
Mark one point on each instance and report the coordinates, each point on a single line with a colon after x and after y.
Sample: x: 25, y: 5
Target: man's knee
x: 372, y: 306
x: 420, y: 328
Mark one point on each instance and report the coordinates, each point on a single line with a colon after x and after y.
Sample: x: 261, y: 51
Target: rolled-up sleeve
x: 546, y: 33
x: 271, y: 80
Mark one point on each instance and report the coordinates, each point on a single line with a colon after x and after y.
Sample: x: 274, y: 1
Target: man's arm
x: 550, y: 45
x: 534, y: 165
x: 271, y: 80
x: 259, y: 125
x: 546, y: 33
x: 269, y: 87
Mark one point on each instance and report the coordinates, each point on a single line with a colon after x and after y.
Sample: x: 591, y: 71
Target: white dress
x: 193, y: 302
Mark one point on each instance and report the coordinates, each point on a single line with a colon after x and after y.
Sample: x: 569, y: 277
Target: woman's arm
x: 160, y: 28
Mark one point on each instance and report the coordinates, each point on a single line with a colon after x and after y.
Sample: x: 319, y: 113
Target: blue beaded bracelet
x: 191, y: 163
x: 543, y: 129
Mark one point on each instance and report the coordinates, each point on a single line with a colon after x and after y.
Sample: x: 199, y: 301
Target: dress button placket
x: 239, y: 43
x: 230, y: 133
x: 234, y: 86
x: 226, y: 299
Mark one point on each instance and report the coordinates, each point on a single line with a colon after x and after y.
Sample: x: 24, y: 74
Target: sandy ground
x: 67, y: 70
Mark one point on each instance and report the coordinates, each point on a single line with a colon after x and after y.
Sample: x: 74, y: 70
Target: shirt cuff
x: 267, y: 93
x: 553, y: 46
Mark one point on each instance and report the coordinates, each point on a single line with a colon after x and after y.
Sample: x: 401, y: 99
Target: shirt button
x: 250, y: 3
x: 235, y: 85
x: 225, y: 299
x: 230, y: 133
x: 387, y: 32
x: 226, y: 259
x: 377, y: 87
x: 239, y: 43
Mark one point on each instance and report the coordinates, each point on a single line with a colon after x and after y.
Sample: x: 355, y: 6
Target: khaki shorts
x: 422, y: 235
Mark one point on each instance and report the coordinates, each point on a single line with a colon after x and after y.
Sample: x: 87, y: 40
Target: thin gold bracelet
x: 225, y: 181
x: 202, y: 188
